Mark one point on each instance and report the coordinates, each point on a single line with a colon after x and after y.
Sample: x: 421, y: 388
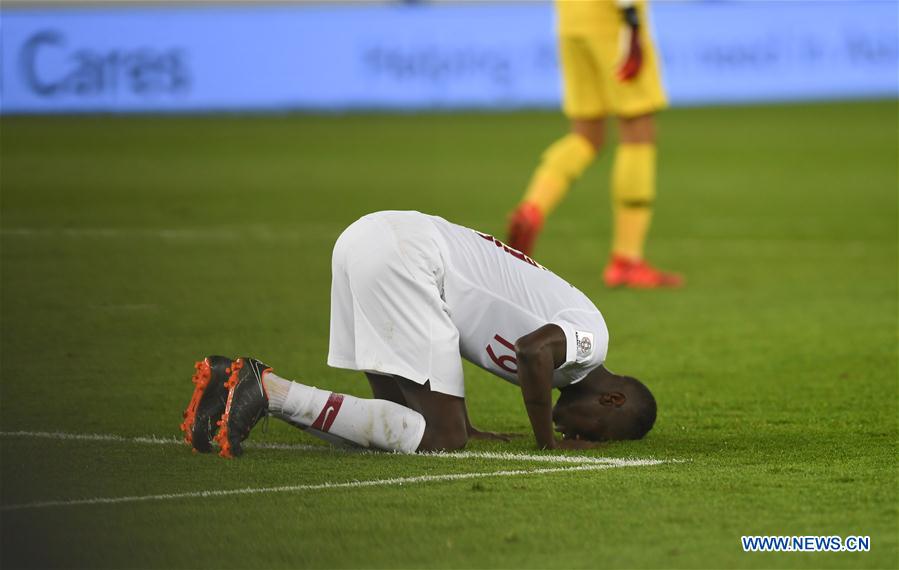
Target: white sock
x: 276, y: 388
x: 368, y: 423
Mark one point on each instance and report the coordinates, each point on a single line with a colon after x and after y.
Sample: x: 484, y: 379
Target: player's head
x: 604, y: 407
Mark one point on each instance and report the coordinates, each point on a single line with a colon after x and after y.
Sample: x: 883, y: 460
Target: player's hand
x: 633, y: 50
x: 475, y: 433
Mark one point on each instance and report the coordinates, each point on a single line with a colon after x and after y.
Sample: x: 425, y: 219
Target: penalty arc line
x: 397, y: 481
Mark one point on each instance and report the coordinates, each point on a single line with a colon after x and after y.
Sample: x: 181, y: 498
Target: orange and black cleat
x: 637, y: 274
x: 246, y: 404
x: 207, y: 402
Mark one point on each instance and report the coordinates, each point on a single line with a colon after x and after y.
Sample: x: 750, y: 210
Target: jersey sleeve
x: 586, y: 343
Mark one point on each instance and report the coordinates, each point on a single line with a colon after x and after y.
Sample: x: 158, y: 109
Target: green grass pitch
x: 132, y: 246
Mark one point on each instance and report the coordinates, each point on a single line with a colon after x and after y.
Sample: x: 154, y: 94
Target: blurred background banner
x: 422, y: 56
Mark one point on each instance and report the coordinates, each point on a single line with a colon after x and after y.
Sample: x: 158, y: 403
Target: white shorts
x: 388, y: 314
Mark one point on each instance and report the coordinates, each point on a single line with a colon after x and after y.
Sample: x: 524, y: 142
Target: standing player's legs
x: 633, y: 195
x: 633, y: 183
x: 562, y: 163
x: 566, y: 159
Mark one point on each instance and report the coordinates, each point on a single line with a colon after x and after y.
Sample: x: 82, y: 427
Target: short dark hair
x: 641, y: 406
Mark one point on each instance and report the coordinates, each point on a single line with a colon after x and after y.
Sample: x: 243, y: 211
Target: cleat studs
x: 200, y: 380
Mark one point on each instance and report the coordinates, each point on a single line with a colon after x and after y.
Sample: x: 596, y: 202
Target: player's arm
x: 539, y: 353
x: 632, y: 59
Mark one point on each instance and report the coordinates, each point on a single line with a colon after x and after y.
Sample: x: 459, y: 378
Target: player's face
x: 587, y: 417
x: 581, y: 419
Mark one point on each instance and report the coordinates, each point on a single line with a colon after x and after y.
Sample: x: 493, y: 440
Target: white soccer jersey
x: 496, y: 295
x: 411, y: 293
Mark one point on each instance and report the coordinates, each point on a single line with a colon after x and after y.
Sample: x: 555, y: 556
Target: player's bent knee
x: 637, y: 130
x: 592, y: 130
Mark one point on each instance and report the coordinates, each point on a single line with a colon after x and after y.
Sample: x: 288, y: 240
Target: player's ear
x: 612, y: 399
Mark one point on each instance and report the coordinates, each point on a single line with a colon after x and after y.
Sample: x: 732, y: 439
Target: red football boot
x: 637, y: 274
x: 525, y: 224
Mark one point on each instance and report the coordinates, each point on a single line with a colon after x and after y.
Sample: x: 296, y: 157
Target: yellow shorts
x: 590, y: 86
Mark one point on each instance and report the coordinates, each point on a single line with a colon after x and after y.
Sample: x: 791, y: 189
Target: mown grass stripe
x: 395, y: 481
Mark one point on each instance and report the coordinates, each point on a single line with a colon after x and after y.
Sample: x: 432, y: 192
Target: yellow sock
x: 633, y: 191
x: 562, y: 163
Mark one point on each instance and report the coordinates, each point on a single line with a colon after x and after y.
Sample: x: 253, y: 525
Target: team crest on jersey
x: 584, y: 341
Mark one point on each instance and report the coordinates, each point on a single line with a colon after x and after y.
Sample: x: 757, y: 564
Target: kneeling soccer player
x: 412, y: 294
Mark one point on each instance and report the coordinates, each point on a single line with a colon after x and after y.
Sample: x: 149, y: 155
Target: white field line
x: 573, y: 459
x: 503, y: 456
x: 574, y: 463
